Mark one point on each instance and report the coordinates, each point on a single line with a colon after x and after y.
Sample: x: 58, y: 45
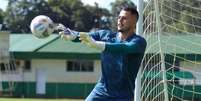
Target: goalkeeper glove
x: 66, y: 33
x: 88, y: 40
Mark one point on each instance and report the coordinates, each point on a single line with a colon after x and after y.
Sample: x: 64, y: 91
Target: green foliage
x: 75, y: 15
x: 65, y: 10
x: 19, y: 13
x: 71, y: 13
x: 1, y: 16
x: 183, y: 15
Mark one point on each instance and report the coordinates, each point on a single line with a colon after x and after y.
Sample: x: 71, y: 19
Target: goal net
x: 7, y: 66
x: 171, y: 67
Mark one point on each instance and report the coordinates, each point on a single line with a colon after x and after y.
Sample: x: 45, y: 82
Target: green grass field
x: 26, y: 99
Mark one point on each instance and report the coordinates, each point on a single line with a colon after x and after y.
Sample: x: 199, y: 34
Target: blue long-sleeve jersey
x: 120, y: 62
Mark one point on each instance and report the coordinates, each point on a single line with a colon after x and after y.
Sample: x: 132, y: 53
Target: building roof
x: 179, y: 44
x: 27, y: 43
x: 26, y: 46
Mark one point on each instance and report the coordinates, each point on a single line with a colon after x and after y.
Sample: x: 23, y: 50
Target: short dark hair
x: 131, y: 7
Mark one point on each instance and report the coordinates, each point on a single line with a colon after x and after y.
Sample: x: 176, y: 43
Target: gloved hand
x: 66, y: 33
x: 88, y: 40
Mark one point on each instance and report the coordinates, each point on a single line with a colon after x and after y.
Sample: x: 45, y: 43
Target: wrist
x: 100, y: 45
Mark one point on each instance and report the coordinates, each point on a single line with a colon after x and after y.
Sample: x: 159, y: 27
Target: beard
x: 123, y: 30
x: 120, y: 30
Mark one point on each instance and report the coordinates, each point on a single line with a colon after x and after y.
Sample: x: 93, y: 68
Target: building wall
x: 59, y: 82
x: 56, y: 72
x: 195, y: 69
x: 4, y: 46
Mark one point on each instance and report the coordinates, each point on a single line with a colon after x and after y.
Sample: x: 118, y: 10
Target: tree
x: 75, y: 15
x: 181, y: 14
x: 64, y: 9
x: 1, y: 16
x: 71, y: 13
x: 19, y: 14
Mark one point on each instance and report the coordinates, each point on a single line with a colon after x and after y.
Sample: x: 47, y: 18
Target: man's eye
x: 121, y: 17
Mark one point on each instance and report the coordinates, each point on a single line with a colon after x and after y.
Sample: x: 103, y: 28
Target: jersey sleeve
x: 94, y: 35
x: 135, y: 46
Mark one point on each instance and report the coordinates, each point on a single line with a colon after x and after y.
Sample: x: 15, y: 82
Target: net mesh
x: 171, y: 67
x: 7, y: 66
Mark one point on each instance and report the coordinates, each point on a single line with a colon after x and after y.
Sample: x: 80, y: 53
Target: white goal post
x: 171, y: 67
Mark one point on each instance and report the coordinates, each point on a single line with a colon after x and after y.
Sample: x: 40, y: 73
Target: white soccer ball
x: 42, y: 26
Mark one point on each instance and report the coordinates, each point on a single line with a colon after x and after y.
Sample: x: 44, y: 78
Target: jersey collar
x: 128, y: 39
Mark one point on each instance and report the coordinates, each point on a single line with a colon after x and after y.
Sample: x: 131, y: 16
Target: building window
x: 27, y: 65
x: 8, y: 67
x: 79, y: 66
x: 2, y: 67
x: 12, y: 65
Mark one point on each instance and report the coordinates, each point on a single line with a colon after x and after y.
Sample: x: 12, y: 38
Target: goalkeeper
x: 121, y: 56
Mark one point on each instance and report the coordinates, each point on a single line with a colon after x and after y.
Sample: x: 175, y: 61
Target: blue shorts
x: 96, y: 95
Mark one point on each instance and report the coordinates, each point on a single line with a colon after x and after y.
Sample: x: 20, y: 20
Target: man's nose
x: 120, y: 20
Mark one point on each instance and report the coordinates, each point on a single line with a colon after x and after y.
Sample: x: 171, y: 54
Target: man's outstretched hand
x: 89, y: 41
x: 66, y: 33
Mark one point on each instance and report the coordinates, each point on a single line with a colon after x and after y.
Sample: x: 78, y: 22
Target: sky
x: 3, y: 4
x: 102, y: 3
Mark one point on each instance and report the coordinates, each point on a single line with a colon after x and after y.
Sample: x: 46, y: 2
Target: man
x: 121, y: 57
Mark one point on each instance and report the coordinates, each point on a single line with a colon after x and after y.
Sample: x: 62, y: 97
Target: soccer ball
x: 42, y: 26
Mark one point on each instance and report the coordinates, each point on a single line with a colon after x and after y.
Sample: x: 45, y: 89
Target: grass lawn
x: 34, y: 99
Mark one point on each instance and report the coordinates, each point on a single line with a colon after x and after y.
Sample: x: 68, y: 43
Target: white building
x: 49, y: 67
